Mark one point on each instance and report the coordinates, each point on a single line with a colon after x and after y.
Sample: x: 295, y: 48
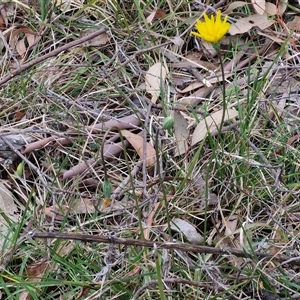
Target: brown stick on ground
x: 164, y: 245
x: 50, y: 54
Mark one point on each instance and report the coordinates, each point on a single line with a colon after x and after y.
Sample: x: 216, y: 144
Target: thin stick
x: 50, y: 54
x: 161, y: 245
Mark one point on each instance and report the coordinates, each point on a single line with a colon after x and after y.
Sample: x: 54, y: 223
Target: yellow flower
x: 212, y: 29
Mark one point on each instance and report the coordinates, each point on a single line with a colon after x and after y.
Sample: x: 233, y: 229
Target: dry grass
x: 238, y: 190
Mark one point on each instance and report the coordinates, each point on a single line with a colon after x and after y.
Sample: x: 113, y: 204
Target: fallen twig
x: 50, y: 54
x: 163, y: 245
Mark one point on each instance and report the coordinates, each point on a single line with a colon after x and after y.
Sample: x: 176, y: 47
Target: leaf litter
x: 79, y: 104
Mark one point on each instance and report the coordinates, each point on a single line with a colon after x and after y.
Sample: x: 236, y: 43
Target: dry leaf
x: 3, y: 17
x: 158, y: 14
x: 37, y: 270
x: 279, y: 239
x: 7, y: 204
x: 99, y: 40
x: 78, y: 169
x: 271, y: 9
x: 155, y: 79
x: 211, y: 123
x: 135, y: 271
x: 20, y: 45
x: 245, y: 24
x: 281, y: 6
x: 151, y: 17
x: 295, y: 24
x: 10, y: 9
x: 188, y: 230
x: 131, y: 121
x: 230, y: 239
x: 83, y: 206
x: 149, y: 221
x: 19, y: 115
x: 178, y: 41
x: 231, y: 225
x: 293, y: 139
x: 271, y: 37
x: 55, y: 212
x: 259, y: 6
x: 34, y: 272
x: 181, y: 133
x: 80, y: 206
x: 9, y: 209
x: 7, y: 14
x: 137, y: 142
x: 63, y: 5
x: 196, y: 85
x: 209, y: 48
x: 65, y: 247
x: 232, y: 6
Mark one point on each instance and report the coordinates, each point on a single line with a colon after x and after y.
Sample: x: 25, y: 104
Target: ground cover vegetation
x: 149, y: 149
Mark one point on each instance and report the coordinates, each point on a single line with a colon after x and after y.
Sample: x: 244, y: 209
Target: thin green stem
x: 161, y: 181
x: 159, y: 279
x: 223, y: 92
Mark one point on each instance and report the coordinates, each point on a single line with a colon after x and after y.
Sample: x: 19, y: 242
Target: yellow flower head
x: 212, y: 29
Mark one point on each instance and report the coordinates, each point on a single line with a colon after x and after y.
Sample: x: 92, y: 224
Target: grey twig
x: 164, y: 245
x: 50, y: 54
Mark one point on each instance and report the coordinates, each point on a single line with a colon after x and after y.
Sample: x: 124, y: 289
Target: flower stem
x: 223, y: 92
